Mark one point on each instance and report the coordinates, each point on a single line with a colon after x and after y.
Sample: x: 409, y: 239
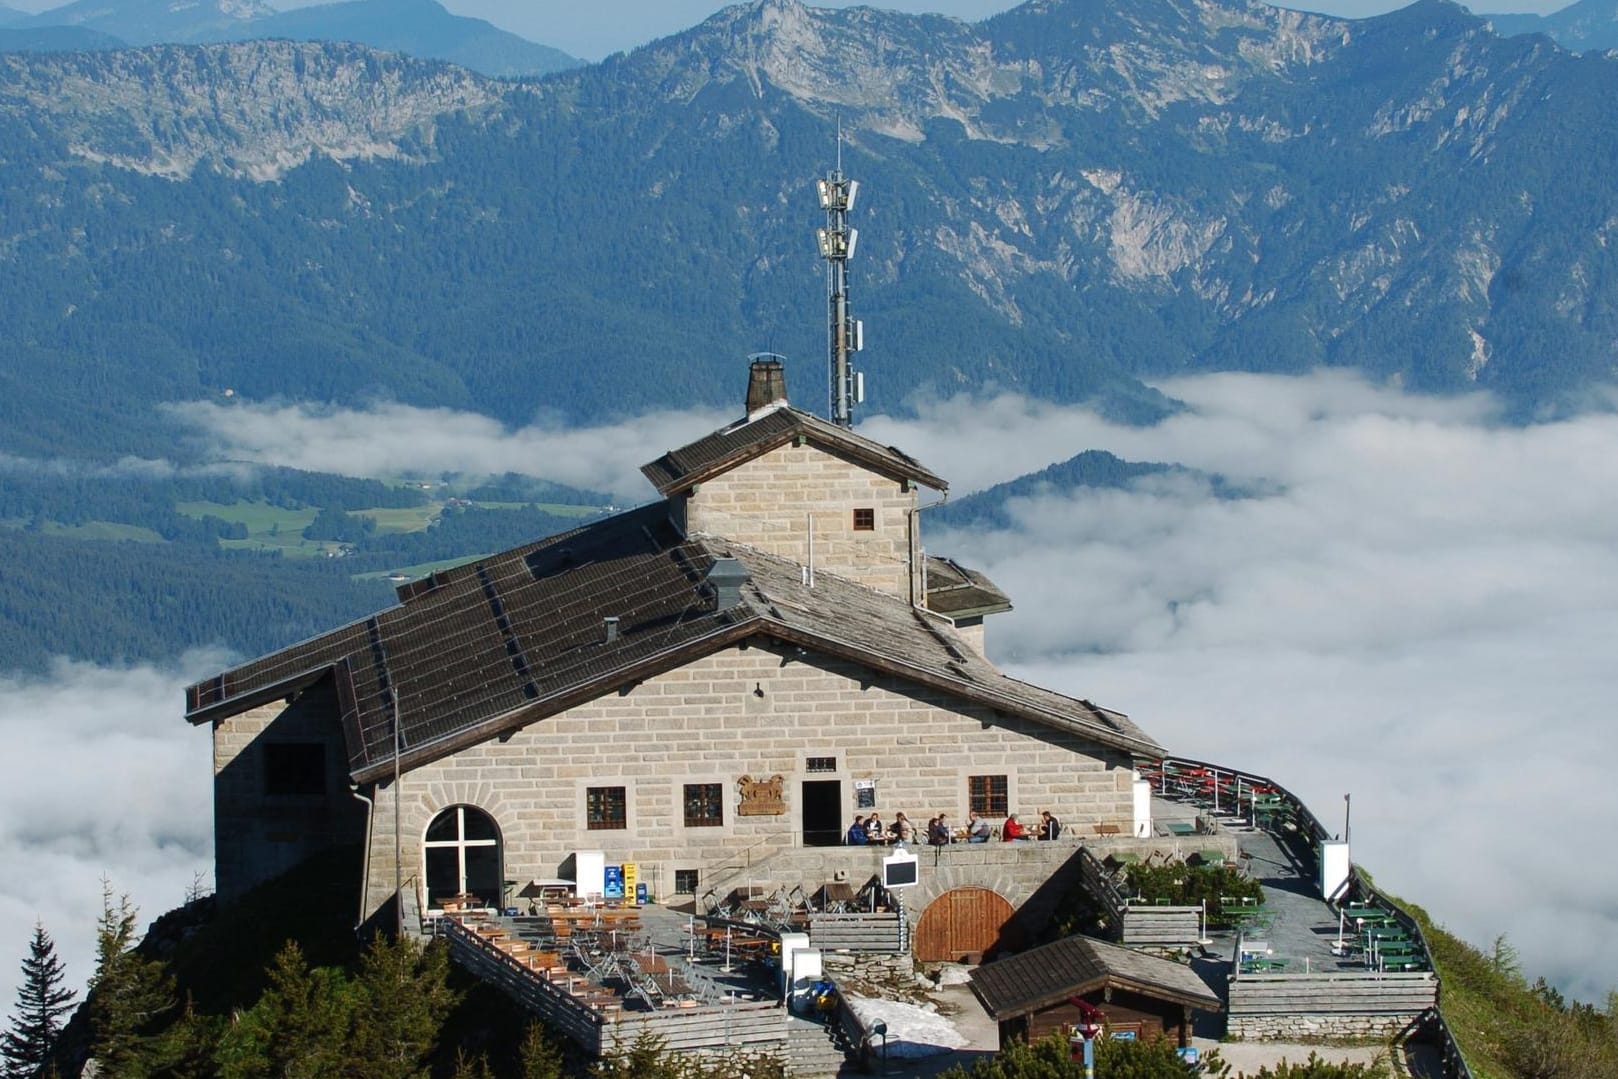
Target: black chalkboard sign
x: 899, y: 871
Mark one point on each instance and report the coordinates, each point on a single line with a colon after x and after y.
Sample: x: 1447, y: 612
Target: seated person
x: 938, y: 831
x: 978, y: 830
x: 1049, y: 826
x: 901, y: 829
x: 875, y: 832
x: 1013, y: 829
x: 856, y: 833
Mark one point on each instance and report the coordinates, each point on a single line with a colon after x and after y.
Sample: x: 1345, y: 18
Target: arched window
x: 461, y: 853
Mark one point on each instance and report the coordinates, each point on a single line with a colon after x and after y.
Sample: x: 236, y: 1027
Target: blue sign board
x: 613, y: 887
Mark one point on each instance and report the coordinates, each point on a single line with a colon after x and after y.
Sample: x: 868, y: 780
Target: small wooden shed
x: 1031, y: 995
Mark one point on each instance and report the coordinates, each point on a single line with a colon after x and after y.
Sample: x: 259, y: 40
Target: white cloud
x: 101, y: 778
x: 1421, y: 610
x: 393, y: 439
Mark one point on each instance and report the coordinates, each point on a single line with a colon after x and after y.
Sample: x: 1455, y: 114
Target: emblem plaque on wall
x: 761, y: 797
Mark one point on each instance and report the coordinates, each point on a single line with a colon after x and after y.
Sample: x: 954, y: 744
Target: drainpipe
x: 918, y: 562
x: 365, y: 873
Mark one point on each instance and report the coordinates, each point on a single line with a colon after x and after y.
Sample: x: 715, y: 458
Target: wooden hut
x: 1032, y: 994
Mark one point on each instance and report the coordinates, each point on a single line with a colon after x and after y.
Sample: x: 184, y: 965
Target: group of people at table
x: 939, y: 831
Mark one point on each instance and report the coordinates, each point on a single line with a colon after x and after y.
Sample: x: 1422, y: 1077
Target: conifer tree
x: 541, y: 1058
x: 130, y: 996
x: 471, y: 1067
x: 42, y: 1001
x: 187, y: 1048
x: 402, y: 997
x: 299, y: 1027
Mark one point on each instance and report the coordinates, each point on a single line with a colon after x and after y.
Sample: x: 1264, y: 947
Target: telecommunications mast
x: 847, y: 335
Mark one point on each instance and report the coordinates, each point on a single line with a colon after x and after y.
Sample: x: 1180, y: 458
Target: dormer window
x: 865, y: 520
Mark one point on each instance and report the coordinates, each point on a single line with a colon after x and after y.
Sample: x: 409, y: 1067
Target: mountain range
x: 1066, y: 199
x: 420, y: 28
x: 1580, y: 27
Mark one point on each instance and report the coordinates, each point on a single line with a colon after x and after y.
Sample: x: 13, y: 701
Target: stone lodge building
x: 741, y: 666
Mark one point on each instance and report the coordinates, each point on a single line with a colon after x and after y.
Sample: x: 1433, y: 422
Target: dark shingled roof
x: 508, y: 640
x: 959, y: 592
x: 1073, y: 966
x: 679, y: 470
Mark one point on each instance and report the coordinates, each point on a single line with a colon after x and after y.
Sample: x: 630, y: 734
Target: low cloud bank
x: 102, y: 779
x: 393, y: 439
x: 1421, y: 610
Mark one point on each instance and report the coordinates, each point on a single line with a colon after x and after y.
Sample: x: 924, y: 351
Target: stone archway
x: 461, y: 855
x: 965, y: 925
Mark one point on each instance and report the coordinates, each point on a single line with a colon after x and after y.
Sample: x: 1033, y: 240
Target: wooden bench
x: 1104, y: 828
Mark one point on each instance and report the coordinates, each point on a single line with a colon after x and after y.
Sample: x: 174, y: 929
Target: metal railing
x: 740, y: 861
x: 1310, y: 828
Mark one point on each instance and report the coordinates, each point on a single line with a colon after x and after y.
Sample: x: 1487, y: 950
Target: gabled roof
x: 1074, y: 966
x: 681, y: 469
x: 507, y: 640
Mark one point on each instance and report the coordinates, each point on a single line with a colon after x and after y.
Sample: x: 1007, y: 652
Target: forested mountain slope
x: 1063, y: 199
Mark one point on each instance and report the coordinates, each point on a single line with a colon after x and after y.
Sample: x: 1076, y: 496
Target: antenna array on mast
x: 846, y: 335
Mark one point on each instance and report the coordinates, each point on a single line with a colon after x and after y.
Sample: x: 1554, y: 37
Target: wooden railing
x: 756, y: 1024
x: 878, y: 932
x: 559, y: 1008
x: 1096, y: 881
x: 1161, y: 926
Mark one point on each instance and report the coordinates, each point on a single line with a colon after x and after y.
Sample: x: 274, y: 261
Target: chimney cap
x: 766, y: 382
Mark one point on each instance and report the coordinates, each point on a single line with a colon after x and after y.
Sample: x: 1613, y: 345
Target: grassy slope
x: 1495, y: 1017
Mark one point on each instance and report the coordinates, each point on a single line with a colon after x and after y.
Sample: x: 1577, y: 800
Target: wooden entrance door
x: 963, y: 925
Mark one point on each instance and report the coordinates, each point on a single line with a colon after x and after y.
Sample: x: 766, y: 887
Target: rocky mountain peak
x: 252, y: 110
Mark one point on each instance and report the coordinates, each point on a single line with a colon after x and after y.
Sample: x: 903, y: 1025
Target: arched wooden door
x: 963, y: 925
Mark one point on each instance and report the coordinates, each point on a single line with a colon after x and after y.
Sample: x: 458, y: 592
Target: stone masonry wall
x: 257, y: 836
x: 1305, y: 1028
x: 756, y: 711
x: 766, y: 503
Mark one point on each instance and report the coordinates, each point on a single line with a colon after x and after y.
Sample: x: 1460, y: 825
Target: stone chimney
x: 766, y: 384
x: 727, y: 575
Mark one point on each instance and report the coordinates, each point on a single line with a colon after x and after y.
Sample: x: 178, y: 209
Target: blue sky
x: 592, y: 31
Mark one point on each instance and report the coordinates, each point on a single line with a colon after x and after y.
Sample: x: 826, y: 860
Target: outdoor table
x: 1180, y: 828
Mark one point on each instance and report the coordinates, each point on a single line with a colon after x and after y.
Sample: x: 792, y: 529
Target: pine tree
x: 541, y: 1058
x: 403, y: 995
x: 41, y: 1004
x: 130, y: 996
x: 471, y: 1067
x: 299, y: 1027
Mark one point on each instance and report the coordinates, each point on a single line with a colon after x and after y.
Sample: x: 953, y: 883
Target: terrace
x: 1292, y: 963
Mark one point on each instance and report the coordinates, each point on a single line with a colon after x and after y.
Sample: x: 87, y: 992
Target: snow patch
x: 914, y: 1031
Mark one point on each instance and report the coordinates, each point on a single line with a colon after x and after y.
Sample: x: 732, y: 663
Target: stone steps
x: 813, y: 1050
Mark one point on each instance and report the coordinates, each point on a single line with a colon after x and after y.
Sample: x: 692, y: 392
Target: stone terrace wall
x: 1307, y: 1028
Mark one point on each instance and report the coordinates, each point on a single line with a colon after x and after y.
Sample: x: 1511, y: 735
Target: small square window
x: 685, y: 881
x: 820, y: 764
x: 606, y: 808
x: 865, y: 520
x: 704, y: 805
x: 986, y: 795
x: 294, y: 769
